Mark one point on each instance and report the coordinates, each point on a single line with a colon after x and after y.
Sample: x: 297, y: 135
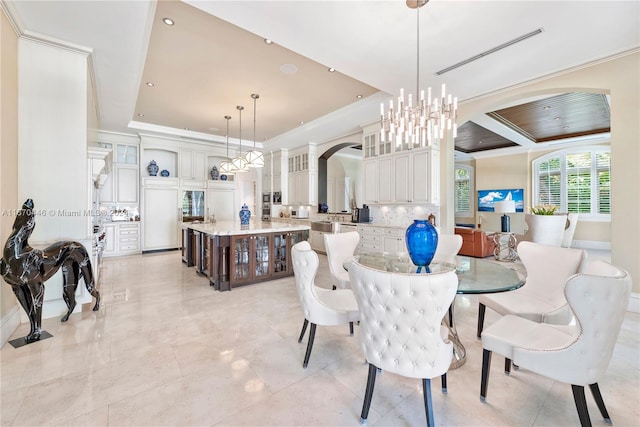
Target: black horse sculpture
x: 26, y: 269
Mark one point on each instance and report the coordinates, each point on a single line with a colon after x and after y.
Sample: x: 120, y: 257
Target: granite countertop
x: 228, y: 228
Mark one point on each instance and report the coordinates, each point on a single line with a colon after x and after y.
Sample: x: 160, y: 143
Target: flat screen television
x: 486, y: 198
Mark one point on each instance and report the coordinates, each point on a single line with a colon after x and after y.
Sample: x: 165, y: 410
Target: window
x: 576, y: 181
x: 464, y: 190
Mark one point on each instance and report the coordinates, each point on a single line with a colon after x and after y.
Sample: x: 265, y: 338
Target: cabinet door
x: 424, y: 177
x: 385, y: 180
x: 110, y: 240
x: 402, y: 178
x: 126, y: 184
x: 241, y: 265
x: 221, y: 203
x: 261, y: 256
x: 161, y: 218
x: 293, y: 188
x: 370, y: 174
x: 186, y: 164
x: 199, y: 163
x: 106, y: 191
x: 280, y: 254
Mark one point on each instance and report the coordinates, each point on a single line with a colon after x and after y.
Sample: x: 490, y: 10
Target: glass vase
x: 422, y: 240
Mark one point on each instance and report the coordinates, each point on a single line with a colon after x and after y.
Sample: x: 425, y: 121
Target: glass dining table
x: 475, y: 276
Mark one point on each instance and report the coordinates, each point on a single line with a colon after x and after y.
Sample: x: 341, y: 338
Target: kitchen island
x: 232, y: 255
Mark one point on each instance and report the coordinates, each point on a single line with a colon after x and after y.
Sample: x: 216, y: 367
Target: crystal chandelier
x: 254, y: 158
x: 238, y: 164
x: 226, y: 166
x: 414, y: 125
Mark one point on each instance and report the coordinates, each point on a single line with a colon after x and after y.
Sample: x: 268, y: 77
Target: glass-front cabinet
x: 250, y: 258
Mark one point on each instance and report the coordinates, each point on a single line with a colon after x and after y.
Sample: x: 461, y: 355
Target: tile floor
x: 167, y: 350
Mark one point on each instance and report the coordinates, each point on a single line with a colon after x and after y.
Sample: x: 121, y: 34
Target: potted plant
x: 545, y: 226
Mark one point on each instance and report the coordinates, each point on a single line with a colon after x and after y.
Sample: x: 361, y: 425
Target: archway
x: 322, y: 167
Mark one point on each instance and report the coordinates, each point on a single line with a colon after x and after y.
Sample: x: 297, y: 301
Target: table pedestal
x: 459, y: 352
x: 505, y: 246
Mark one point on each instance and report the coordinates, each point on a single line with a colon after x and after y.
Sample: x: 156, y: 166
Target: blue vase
x: 214, y: 173
x: 164, y: 173
x: 153, y: 168
x: 245, y: 215
x: 422, y: 240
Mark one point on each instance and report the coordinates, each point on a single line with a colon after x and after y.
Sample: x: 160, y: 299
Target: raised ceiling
x: 213, y: 58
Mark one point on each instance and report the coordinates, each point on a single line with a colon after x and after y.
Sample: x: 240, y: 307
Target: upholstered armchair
x: 340, y: 247
x: 576, y: 354
x: 448, y: 247
x: 401, y: 326
x: 475, y: 242
x: 541, y: 299
x: 321, y: 306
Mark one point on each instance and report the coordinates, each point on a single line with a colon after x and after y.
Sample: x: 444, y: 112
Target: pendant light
x: 226, y: 167
x: 238, y: 163
x: 254, y: 158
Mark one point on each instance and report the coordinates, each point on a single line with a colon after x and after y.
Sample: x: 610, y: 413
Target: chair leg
x: 428, y: 402
x: 507, y: 366
x: 484, y: 382
x: 481, y: 309
x: 350, y: 328
x: 581, y: 405
x: 304, y: 329
x: 595, y: 390
x: 312, y: 335
x: 443, y: 377
x: 368, y: 394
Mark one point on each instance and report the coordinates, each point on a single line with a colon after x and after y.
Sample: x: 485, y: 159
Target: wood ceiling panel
x: 473, y: 138
x: 562, y: 116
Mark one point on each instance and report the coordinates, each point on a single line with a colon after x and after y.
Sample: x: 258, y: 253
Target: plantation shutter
x: 579, y: 182
x: 603, y: 186
x: 549, y: 183
x: 463, y: 192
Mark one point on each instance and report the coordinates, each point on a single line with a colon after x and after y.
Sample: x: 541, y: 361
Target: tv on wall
x: 486, y: 198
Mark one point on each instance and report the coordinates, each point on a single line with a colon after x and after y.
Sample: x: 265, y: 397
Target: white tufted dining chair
x: 340, y: 247
x: 576, y: 354
x: 448, y: 247
x: 541, y: 299
x: 321, y: 306
x: 400, y: 326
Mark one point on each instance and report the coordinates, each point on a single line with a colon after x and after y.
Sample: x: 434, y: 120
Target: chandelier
x: 226, y: 166
x: 238, y: 164
x: 254, y: 158
x: 414, y: 125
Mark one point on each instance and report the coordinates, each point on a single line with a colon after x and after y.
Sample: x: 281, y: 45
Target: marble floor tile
x: 166, y: 349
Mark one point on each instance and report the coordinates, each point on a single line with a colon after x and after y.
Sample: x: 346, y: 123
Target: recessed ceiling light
x: 332, y: 70
x: 566, y: 127
x: 268, y: 41
x: 358, y: 96
x: 168, y: 21
x: 546, y: 107
x: 301, y: 122
x: 479, y: 142
x: 140, y: 115
x: 288, y: 69
x: 556, y: 118
x: 186, y: 128
x: 150, y: 84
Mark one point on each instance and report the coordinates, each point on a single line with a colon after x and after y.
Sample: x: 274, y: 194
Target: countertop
x: 228, y: 228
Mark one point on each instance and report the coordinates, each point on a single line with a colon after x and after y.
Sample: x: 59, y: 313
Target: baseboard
x: 634, y: 303
x: 591, y: 244
x: 10, y: 323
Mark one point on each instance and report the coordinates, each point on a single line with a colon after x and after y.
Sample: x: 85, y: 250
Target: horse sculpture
x: 26, y: 269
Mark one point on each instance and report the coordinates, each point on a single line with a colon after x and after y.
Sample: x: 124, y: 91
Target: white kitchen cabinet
x: 425, y: 172
x: 302, y: 188
x: 161, y: 218
x: 370, y: 239
x: 121, y: 185
x: 316, y: 240
x: 402, y: 178
x: 110, y: 239
x: 193, y: 164
x: 220, y: 201
x: 128, y: 238
x: 393, y: 240
x: 378, y: 180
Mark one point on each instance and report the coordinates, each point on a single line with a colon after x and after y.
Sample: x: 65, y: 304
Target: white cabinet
x: 405, y: 177
x: 110, y: 239
x: 161, y: 218
x: 220, y: 201
x: 316, y: 240
x: 121, y: 185
x: 122, y: 238
x: 193, y: 164
x: 393, y: 240
x: 370, y: 239
x: 378, y: 180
